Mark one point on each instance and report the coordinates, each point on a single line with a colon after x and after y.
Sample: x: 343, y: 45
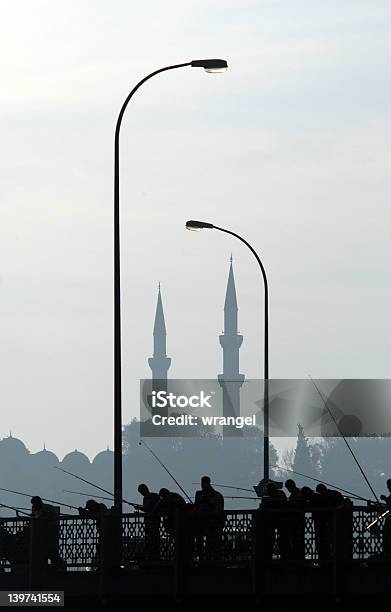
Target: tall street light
x: 200, y: 225
x: 209, y: 65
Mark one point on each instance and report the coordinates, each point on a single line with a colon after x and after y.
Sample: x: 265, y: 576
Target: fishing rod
x: 377, y: 520
x: 88, y: 494
x: 241, y: 497
x: 252, y: 490
x: 353, y: 495
x: 228, y: 487
x: 91, y: 483
x: 167, y: 470
x: 345, y: 440
x: 52, y: 501
x: 97, y: 496
x: 17, y: 510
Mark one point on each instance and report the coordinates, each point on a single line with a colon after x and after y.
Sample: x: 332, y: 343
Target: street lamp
x: 200, y: 225
x: 209, y: 65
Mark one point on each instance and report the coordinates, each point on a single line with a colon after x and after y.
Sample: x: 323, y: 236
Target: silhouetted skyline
x: 289, y: 148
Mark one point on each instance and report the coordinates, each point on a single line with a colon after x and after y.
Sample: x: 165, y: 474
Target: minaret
x: 159, y: 363
x: 231, y: 380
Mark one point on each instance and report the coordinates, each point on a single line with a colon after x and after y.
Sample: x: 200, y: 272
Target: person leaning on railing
x: 170, y: 504
x: 296, y: 520
x: 322, y: 521
x: 48, y: 517
x: 343, y: 520
x: 274, y: 523
x: 151, y: 509
x: 387, y: 522
x: 94, y: 510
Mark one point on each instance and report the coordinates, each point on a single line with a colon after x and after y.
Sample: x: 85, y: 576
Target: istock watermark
x: 163, y: 399
x: 235, y: 407
x: 186, y: 420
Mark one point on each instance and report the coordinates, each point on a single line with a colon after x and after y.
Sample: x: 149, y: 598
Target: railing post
x: 181, y: 555
x: 335, y: 566
x: 110, y: 550
x: 257, y: 559
x: 37, y: 559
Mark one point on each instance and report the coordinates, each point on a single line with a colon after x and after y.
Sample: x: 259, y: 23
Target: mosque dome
x: 45, y: 457
x: 11, y: 446
x: 75, y: 460
x: 104, y: 459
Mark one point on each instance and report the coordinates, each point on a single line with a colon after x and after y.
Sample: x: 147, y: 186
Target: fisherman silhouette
x: 95, y: 511
x: 296, y: 519
x: 294, y: 491
x: 170, y: 504
x: 332, y: 497
x: 47, y: 517
x: 387, y: 522
x: 275, y: 526
x: 321, y: 519
x: 208, y: 519
x: 151, y: 508
x: 343, y: 520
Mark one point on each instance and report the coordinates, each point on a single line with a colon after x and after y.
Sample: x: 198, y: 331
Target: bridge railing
x: 146, y: 539
x: 317, y: 535
x: 14, y: 543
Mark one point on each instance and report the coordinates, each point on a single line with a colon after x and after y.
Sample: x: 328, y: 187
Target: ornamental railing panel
x: 14, y: 543
x: 73, y: 543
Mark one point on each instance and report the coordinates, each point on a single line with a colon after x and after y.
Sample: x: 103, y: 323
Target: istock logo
x: 162, y: 399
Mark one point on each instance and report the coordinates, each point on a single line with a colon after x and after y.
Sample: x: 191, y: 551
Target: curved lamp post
x: 200, y: 225
x: 209, y: 65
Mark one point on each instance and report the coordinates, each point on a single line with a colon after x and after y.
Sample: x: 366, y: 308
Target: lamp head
x: 198, y: 225
x: 213, y: 66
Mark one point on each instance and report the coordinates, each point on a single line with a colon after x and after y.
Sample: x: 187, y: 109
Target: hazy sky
x: 291, y: 148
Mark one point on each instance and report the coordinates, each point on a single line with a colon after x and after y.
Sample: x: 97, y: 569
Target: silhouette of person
x: 275, y: 525
x: 170, y: 504
x: 48, y: 517
x: 322, y: 525
x: 293, y: 490
x: 331, y: 496
x: 387, y: 498
x: 343, y: 520
x: 387, y: 522
x: 96, y: 511
x: 41, y: 510
x: 208, y: 518
x: 150, y: 507
x: 296, y: 518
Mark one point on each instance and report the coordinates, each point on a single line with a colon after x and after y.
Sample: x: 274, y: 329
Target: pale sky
x: 290, y: 148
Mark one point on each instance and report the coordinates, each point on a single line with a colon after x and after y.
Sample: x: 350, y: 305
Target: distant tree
x: 288, y: 458
x: 130, y: 436
x: 304, y: 460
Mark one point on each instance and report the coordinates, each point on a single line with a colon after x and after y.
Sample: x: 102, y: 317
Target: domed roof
x: 13, y: 446
x: 76, y: 458
x: 104, y: 458
x: 45, y: 456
